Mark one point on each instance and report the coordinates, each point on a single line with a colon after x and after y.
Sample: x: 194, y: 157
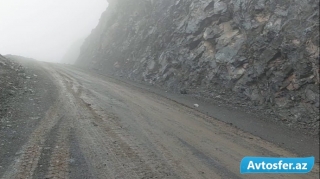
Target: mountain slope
x: 262, y: 54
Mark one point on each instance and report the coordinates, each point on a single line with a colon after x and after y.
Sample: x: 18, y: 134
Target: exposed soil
x: 27, y: 92
x: 94, y: 126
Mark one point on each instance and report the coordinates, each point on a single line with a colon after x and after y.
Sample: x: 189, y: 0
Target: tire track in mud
x: 26, y: 163
x: 32, y: 160
x: 146, y: 154
x: 223, y: 171
x: 144, y: 150
x: 77, y: 161
x: 124, y: 160
x: 139, y: 159
x: 89, y: 128
x: 59, y: 163
x: 43, y: 164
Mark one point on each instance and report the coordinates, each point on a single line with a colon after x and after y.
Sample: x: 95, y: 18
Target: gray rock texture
x: 263, y: 54
x: 12, y: 78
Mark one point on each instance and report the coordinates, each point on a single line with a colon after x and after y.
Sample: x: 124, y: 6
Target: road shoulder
x: 261, y: 126
x: 24, y: 110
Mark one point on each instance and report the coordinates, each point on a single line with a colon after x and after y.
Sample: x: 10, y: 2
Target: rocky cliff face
x: 259, y: 53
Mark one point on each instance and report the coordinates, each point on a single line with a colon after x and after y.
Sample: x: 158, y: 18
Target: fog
x: 45, y: 29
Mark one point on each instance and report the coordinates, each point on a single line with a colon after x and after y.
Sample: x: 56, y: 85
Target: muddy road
x: 99, y: 127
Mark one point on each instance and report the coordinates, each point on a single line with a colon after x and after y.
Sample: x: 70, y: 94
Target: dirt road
x: 103, y: 128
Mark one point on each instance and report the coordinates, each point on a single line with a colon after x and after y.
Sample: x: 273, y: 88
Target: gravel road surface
x: 100, y: 127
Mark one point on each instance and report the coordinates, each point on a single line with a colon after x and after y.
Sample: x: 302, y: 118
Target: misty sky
x: 44, y: 29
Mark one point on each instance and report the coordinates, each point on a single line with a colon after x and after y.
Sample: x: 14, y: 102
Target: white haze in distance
x: 44, y: 29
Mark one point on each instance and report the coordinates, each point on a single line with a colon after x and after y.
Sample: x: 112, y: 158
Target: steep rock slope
x: 259, y: 53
